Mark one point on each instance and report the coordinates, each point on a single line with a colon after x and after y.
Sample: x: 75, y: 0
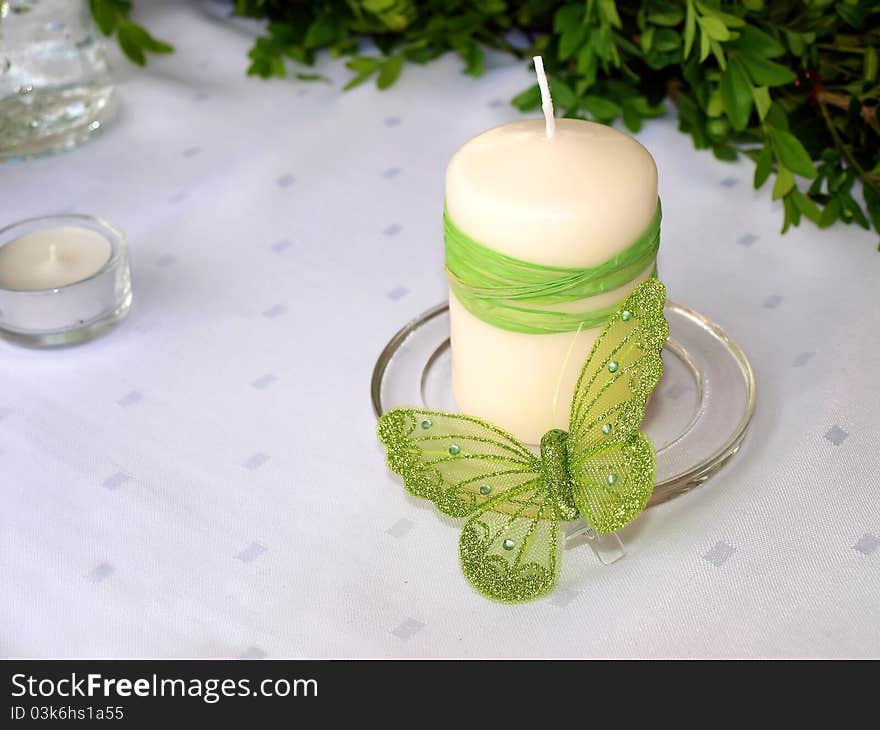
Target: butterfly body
x: 513, y: 500
x: 555, y: 474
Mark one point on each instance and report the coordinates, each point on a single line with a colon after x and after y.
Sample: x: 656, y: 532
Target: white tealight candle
x: 52, y: 257
x: 571, y: 195
x: 63, y: 279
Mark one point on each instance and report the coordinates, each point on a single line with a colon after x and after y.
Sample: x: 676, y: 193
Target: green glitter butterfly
x: 602, y: 468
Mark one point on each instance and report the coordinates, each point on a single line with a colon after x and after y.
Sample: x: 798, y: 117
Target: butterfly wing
x: 510, y: 544
x: 510, y: 548
x: 611, y: 463
x: 458, y: 462
x: 614, y: 485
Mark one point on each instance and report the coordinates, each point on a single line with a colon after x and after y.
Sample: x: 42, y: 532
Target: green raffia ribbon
x: 513, y: 294
x: 513, y: 500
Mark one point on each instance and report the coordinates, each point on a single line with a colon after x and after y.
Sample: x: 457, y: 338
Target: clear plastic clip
x: 608, y: 548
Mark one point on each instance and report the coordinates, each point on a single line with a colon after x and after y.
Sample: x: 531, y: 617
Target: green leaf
x: 489, y: 7
x: 129, y: 42
x: 791, y: 153
x: 473, y: 59
x: 830, y: 213
x: 608, y: 10
x: 322, y: 32
x: 725, y: 152
x: 715, y: 107
x: 667, y: 40
x: 419, y: 55
x: 705, y: 46
x: 313, y: 77
x: 806, y: 206
x: 792, y: 214
x: 796, y: 42
x: 718, y: 128
x: 761, y: 95
x: 299, y: 54
x: 363, y: 64
x: 671, y: 15
x: 872, y: 203
x: 763, y: 167
x: 562, y: 94
x: 718, y: 52
x: 258, y: 67
x: 603, y: 109
x: 767, y: 73
x: 870, y: 64
x: 736, y: 92
x: 364, y: 67
x: 154, y: 45
x: 631, y: 118
x: 758, y: 44
x: 390, y: 71
x: 357, y: 80
x: 714, y: 28
x: 855, y: 210
x: 135, y: 40
x: 377, y: 6
x: 690, y: 26
x: 527, y: 100
x: 572, y: 39
x: 277, y: 67
x: 776, y: 117
x: 105, y: 14
x: 784, y: 183
x: 852, y: 14
x: 568, y: 16
x: 587, y: 64
x: 731, y: 21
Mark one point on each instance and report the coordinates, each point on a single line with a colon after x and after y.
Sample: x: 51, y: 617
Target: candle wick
x: 546, y: 99
x: 53, y: 252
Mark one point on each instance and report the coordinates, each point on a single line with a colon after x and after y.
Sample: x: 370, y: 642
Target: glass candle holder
x: 73, y: 312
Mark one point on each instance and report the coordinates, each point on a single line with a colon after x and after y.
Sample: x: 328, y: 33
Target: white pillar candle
x: 573, y: 196
x: 52, y: 257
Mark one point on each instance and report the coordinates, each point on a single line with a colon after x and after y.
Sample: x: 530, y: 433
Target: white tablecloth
x: 205, y: 481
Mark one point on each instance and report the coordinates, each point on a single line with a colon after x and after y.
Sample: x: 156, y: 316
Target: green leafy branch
x: 790, y: 84
x: 111, y: 16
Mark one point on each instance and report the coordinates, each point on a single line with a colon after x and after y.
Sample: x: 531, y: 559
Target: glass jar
x: 55, y: 86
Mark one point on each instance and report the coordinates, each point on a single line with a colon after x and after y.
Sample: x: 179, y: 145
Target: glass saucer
x: 696, y: 418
